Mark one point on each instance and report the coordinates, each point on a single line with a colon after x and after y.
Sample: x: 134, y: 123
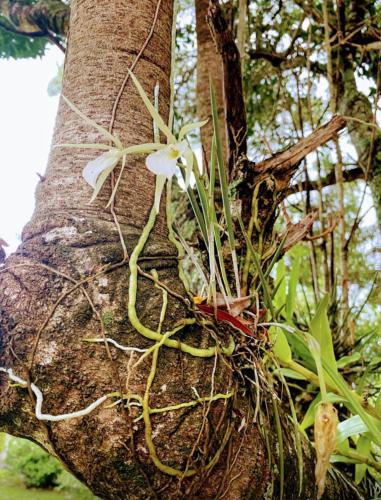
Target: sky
x: 27, y: 116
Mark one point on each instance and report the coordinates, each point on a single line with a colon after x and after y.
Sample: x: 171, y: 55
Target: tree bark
x: 55, y: 292
x: 209, y: 65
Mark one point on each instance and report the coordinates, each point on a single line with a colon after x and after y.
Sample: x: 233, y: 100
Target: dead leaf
x: 325, y: 431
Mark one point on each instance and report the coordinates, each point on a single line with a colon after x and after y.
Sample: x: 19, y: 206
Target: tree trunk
x: 209, y: 65
x: 55, y: 292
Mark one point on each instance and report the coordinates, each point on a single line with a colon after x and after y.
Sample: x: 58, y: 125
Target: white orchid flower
x: 161, y: 160
x: 164, y: 161
x: 106, y: 161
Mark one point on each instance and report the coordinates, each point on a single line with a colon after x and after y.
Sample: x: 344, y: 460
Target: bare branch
x: 348, y: 176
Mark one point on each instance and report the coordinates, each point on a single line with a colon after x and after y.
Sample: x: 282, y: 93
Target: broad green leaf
x: 350, y: 427
x: 189, y: 127
x: 337, y: 458
x: 315, y: 350
x: 363, y: 447
x: 373, y: 425
x: 376, y: 360
x: 281, y: 349
x: 343, y: 446
x: 152, y: 111
x: 321, y: 331
x: 3, y: 438
x: 94, y: 124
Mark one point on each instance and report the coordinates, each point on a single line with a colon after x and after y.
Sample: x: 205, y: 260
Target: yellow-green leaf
x: 94, y: 124
x: 281, y: 349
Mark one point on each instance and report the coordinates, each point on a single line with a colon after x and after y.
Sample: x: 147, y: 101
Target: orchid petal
x: 188, y: 155
x: 191, y: 126
x: 181, y: 147
x: 100, y: 181
x: 160, y: 163
x: 144, y: 148
x: 160, y: 183
x: 107, y: 160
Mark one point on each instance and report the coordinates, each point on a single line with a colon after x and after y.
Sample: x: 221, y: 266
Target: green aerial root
x: 147, y: 332
x: 148, y: 427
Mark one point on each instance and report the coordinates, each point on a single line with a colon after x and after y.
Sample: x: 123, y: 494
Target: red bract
x: 225, y: 316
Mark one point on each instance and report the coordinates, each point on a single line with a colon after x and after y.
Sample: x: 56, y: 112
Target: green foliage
x: 28, y: 464
x: 17, y: 46
x: 73, y: 488
x: 37, y: 468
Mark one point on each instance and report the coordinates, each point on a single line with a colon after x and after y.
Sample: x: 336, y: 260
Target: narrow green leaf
x: 152, y: 111
x: 378, y: 404
x: 265, y: 286
x: 280, y: 285
x: 347, y: 360
x: 224, y: 186
x: 291, y: 292
x: 188, y: 155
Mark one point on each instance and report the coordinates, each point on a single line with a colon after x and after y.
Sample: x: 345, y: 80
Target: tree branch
x: 44, y: 16
x: 283, y: 165
x: 274, y: 174
x: 12, y: 29
x: 348, y: 176
x: 233, y: 91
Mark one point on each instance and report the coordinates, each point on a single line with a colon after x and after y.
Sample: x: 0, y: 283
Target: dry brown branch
x: 283, y: 165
